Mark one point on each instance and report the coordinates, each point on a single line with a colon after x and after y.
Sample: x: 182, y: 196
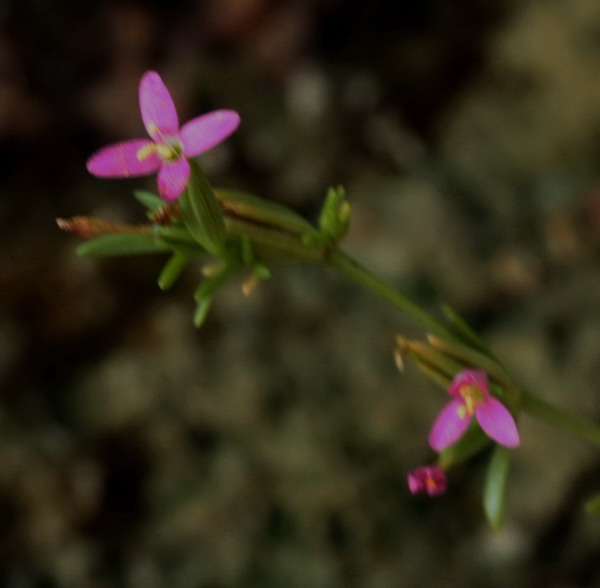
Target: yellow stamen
x: 171, y: 150
x: 146, y: 151
x: 165, y: 151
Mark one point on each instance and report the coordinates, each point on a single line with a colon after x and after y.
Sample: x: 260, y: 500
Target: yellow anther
x: 146, y: 151
x: 470, y: 404
x: 472, y: 396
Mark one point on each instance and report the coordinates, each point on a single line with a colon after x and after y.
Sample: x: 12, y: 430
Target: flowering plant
x: 239, y: 232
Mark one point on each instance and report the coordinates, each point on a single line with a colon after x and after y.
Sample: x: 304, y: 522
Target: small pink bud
x: 427, y: 480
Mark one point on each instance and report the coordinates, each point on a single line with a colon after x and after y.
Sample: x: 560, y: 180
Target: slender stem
x: 546, y: 411
x: 353, y: 270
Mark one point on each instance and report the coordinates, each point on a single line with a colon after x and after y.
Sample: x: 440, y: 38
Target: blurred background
x: 270, y: 448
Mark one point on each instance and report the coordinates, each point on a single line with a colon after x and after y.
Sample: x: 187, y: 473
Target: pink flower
x: 170, y: 146
x: 472, y: 398
x: 427, y: 479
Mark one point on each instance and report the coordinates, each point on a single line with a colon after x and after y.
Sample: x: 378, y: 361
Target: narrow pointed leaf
x: 494, y: 492
x: 180, y: 237
x: 201, y: 312
x: 246, y: 251
x: 173, y: 268
x: 201, y: 212
x: 249, y: 207
x: 151, y: 201
x: 121, y: 244
x: 209, y: 286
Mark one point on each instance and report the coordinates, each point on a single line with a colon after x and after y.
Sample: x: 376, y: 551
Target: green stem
x: 530, y: 402
x: 353, y: 270
x: 546, y: 411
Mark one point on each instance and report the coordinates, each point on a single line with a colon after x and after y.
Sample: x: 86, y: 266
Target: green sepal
x: 173, y: 268
x: 437, y: 365
x: 151, y: 201
x: 494, y: 492
x: 470, y: 444
x: 335, y: 214
x: 201, y: 212
x: 469, y: 356
x: 437, y: 377
x: 592, y: 505
x: 121, y: 244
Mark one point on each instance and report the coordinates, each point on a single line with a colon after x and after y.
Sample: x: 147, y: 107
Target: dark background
x: 270, y: 448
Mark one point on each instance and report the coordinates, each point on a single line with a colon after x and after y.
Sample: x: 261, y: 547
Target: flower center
x: 169, y: 150
x: 472, y: 396
x: 430, y: 483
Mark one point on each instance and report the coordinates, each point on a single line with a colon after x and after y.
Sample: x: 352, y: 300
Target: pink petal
x: 476, y: 378
x: 158, y: 111
x: 449, y: 426
x: 121, y: 160
x: 204, y: 132
x: 173, y: 178
x: 427, y: 479
x: 497, y: 422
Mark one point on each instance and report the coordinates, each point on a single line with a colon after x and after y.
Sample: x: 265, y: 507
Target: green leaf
x: 202, y: 307
x: 209, y: 286
x: 201, y: 212
x: 252, y: 208
x: 173, y: 269
x: 121, y: 244
x: 494, y: 492
x: 246, y: 251
x: 151, y: 201
x: 178, y: 237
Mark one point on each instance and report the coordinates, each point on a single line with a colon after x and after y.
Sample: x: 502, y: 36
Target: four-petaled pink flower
x: 428, y: 480
x: 472, y: 398
x: 170, y: 146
